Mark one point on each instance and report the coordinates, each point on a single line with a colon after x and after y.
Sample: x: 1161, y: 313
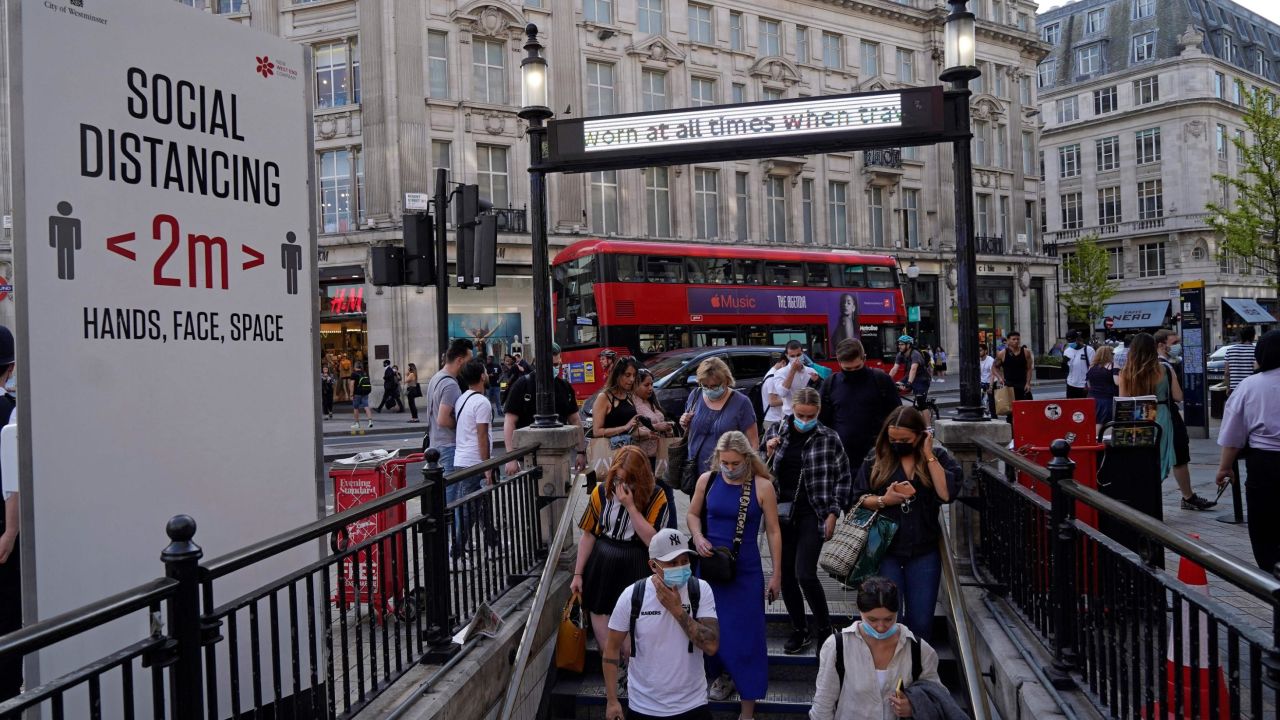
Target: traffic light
x: 419, y: 249
x: 466, y: 208
x: 484, y: 256
x: 388, y: 265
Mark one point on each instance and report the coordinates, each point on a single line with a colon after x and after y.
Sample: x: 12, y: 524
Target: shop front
x: 1238, y: 313
x: 923, y: 292
x: 995, y: 309
x: 344, y: 321
x: 1134, y: 317
x: 499, y: 320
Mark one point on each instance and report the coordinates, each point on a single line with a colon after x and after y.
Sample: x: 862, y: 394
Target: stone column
x: 558, y: 448
x: 413, y: 142
x: 265, y: 15
x: 960, y: 440
x: 566, y: 199
x: 373, y: 111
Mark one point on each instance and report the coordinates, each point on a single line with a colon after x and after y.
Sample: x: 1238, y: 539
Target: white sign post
x: 167, y: 327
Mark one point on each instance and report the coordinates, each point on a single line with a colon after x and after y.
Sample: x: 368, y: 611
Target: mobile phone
x: 898, y: 690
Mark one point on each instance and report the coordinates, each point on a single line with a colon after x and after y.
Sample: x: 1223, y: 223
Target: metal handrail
x: 246, y: 556
x: 72, y: 623
x: 964, y: 634
x: 525, y: 650
x: 1230, y: 568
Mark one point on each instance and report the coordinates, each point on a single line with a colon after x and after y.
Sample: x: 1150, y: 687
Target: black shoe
x: 819, y: 637
x: 798, y: 641
x: 1195, y: 502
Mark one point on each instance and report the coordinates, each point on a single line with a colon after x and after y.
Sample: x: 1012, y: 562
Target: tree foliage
x: 1250, y: 226
x: 1090, y: 288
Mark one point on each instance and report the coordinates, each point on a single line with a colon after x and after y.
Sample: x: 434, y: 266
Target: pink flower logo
x: 265, y: 67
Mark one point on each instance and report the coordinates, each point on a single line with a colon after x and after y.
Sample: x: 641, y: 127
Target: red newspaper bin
x: 1037, y: 423
x: 356, y: 483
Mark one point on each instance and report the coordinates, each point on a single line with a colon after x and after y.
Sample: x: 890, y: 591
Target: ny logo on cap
x: 675, y: 540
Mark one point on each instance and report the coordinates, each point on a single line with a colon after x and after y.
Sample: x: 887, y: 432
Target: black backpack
x: 363, y: 386
x: 637, y: 602
x: 839, y: 635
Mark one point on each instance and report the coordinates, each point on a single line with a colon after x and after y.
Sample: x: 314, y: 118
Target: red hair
x: 630, y: 462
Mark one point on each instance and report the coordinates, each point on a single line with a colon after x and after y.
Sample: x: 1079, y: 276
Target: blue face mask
x: 804, y: 425
x: 678, y: 576
x: 11, y: 385
x: 715, y: 394
x: 1075, y: 346
x: 876, y: 634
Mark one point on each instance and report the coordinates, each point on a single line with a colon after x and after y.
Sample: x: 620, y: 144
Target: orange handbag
x: 571, y: 640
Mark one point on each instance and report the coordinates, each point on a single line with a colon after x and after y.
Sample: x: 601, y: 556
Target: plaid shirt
x: 828, y: 479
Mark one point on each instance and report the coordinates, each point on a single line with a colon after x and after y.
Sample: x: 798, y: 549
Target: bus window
x: 664, y: 269
x: 652, y: 339
x: 719, y: 271
x: 784, y: 335
x: 630, y: 268
x: 853, y: 277
x: 677, y: 337
x: 817, y: 342
x: 879, y: 276
x: 784, y: 273
x: 817, y: 274
x: 575, y: 298
x: 695, y: 269
x: 714, y: 338
x: 746, y: 272
x: 756, y: 335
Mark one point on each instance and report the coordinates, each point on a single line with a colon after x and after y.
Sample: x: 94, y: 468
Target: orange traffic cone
x: 1188, y: 668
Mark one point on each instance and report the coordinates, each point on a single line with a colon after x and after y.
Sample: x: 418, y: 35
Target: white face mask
x: 11, y: 385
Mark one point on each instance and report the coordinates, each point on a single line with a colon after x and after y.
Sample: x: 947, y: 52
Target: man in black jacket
x: 856, y: 401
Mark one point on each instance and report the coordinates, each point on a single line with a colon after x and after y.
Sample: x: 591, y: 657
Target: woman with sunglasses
x: 614, y: 411
x: 907, y: 479
x: 714, y: 409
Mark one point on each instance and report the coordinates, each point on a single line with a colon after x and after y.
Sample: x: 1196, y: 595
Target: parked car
x: 675, y: 375
x: 1216, y: 367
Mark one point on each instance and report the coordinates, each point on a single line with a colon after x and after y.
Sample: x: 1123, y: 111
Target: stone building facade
x: 406, y: 86
x: 1141, y: 100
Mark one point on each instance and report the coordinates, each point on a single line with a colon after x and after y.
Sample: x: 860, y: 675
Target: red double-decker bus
x: 643, y: 298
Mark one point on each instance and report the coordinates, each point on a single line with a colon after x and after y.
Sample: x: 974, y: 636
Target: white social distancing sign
x: 167, y: 329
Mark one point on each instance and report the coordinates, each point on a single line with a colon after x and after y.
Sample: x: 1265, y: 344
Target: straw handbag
x: 841, y: 553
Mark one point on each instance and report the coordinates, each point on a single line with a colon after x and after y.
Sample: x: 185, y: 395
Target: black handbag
x: 722, y: 565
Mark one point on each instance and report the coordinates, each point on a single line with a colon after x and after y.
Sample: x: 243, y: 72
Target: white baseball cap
x: 666, y: 545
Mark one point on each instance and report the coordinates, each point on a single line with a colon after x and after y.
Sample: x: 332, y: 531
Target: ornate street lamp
x: 962, y: 66
x: 537, y: 110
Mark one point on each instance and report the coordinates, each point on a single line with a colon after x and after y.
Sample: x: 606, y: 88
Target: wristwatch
x: 879, y: 502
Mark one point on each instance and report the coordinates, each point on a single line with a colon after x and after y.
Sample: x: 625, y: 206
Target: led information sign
x: 745, y: 130
x: 1194, y: 381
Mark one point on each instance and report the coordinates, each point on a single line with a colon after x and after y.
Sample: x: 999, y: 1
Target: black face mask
x: 902, y: 449
x: 851, y: 374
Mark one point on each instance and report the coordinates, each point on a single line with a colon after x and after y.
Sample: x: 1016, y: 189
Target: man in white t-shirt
x: 986, y: 376
x: 672, y: 631
x: 473, y: 445
x: 1077, y: 357
x: 790, y: 377
x: 769, y: 393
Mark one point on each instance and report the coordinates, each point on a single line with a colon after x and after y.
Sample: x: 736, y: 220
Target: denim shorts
x: 359, y: 401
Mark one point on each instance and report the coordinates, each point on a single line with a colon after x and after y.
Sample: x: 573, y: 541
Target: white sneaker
x: 721, y: 689
x: 355, y: 426
x: 370, y: 424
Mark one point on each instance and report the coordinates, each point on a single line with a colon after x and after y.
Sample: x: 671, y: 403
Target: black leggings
x: 801, y: 543
x: 11, y: 620
x: 413, y: 405
x: 1262, y: 492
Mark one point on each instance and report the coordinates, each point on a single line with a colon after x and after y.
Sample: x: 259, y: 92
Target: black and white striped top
x: 1240, y: 362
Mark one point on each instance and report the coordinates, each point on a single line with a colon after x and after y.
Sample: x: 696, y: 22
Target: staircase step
x: 774, y: 643
x: 785, y: 696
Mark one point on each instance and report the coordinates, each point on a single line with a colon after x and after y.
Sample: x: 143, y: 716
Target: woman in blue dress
x: 743, y: 658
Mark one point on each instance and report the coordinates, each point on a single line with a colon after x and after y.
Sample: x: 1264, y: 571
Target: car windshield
x: 664, y: 365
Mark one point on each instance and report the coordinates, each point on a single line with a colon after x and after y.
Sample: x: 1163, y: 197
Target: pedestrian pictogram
x: 64, y: 236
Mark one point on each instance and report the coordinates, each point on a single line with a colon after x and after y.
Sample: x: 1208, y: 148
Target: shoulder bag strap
x: 744, y: 504
x: 637, y: 602
x: 915, y: 660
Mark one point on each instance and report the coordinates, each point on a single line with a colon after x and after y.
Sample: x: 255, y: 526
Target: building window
x: 1108, y: 205
x: 1108, y: 151
x: 802, y: 45
x: 870, y: 59
x: 1068, y: 109
x: 701, y: 27
x: 489, y: 71
x: 838, y: 213
x: 601, y: 99
x: 1151, y: 260
x: 1028, y: 153
x: 706, y: 204
x: 1148, y: 144
x: 491, y: 174
x: 1024, y: 91
x: 906, y: 65
x: 1104, y: 100
x: 1143, y: 9
x: 736, y: 41
x: 653, y: 90
x: 1144, y: 47
x: 1047, y: 73
x: 1241, y: 146
x: 438, y: 64
x: 1001, y: 76
x: 1220, y: 140
x: 1150, y: 199
x: 1069, y: 161
x: 657, y: 190
x: 806, y: 211
x: 775, y: 209
x: 1146, y: 90
x: 742, y: 206
x: 702, y: 91
x: 227, y: 7
x: 770, y: 38
x: 598, y: 11
x: 875, y: 215
x: 771, y: 94
x: 739, y: 93
x: 336, y: 199
x: 1237, y: 91
x: 983, y: 227
x: 831, y: 54
x: 337, y: 74
x: 1072, y: 211
x: 1089, y: 60
x: 649, y: 16
x: 1115, y: 263
x: 1219, y: 85
x: 1051, y: 33
x: 1095, y: 21
x: 911, y: 218
x: 604, y: 202
x: 1029, y: 222
x: 1004, y: 216
x: 1002, y: 146
x: 441, y: 150
x: 981, y: 141
x: 1068, y: 262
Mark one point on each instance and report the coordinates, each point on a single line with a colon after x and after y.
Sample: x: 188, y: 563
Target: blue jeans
x: 495, y: 399
x: 918, y: 580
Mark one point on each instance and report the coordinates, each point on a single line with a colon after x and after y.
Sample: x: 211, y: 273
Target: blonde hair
x: 735, y: 441
x: 714, y: 368
x: 806, y: 396
x: 1104, y: 357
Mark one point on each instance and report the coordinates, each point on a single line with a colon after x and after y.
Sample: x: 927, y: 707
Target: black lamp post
x: 961, y: 67
x: 537, y: 110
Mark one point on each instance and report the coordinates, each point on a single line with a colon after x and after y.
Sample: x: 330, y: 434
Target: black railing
x: 1139, y: 641
x: 990, y: 244
x: 320, y: 642
x: 512, y: 220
